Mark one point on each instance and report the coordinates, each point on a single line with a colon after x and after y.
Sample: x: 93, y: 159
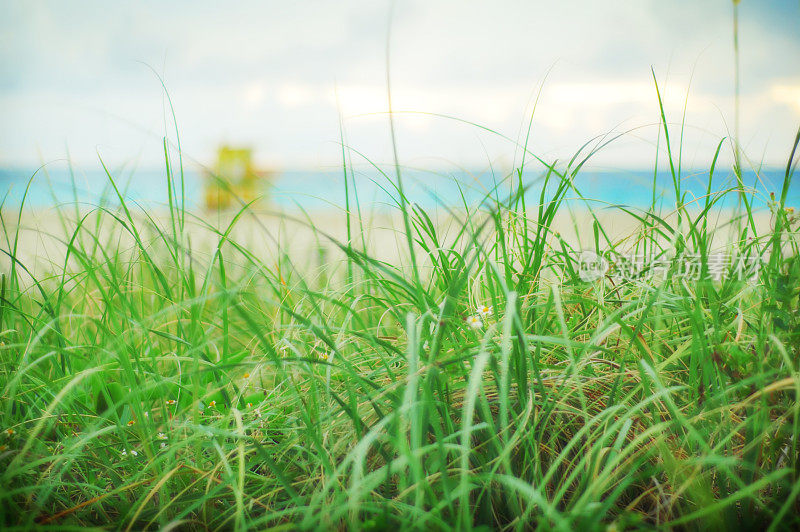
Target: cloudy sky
x: 79, y: 76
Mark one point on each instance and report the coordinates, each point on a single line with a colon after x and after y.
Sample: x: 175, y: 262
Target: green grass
x: 354, y: 394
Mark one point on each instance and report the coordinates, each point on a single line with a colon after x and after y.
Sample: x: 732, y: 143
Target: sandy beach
x: 309, y: 241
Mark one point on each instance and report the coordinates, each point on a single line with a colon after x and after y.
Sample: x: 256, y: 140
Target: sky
x: 82, y: 78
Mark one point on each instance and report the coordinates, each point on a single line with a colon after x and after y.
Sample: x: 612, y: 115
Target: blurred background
x: 81, y: 80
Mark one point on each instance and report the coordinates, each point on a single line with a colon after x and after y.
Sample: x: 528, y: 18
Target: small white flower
x: 124, y: 452
x: 475, y: 322
x: 146, y: 414
x: 163, y: 445
x: 484, y: 311
x: 161, y: 436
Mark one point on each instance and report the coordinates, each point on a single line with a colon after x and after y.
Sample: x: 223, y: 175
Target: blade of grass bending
x: 403, y: 198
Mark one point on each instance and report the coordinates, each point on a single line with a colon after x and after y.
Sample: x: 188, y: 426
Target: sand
x: 41, y: 246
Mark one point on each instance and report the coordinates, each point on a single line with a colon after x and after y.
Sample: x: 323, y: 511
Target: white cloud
x: 264, y: 73
x: 786, y: 94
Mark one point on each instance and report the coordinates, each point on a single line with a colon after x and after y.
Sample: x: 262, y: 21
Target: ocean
x: 324, y: 189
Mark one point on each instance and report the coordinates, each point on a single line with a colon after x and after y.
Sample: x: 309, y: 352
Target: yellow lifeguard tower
x: 234, y: 176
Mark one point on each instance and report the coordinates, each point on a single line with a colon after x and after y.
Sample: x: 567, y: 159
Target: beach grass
x: 478, y: 380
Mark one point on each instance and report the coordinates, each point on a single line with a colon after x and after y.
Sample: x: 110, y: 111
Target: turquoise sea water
x: 316, y: 189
